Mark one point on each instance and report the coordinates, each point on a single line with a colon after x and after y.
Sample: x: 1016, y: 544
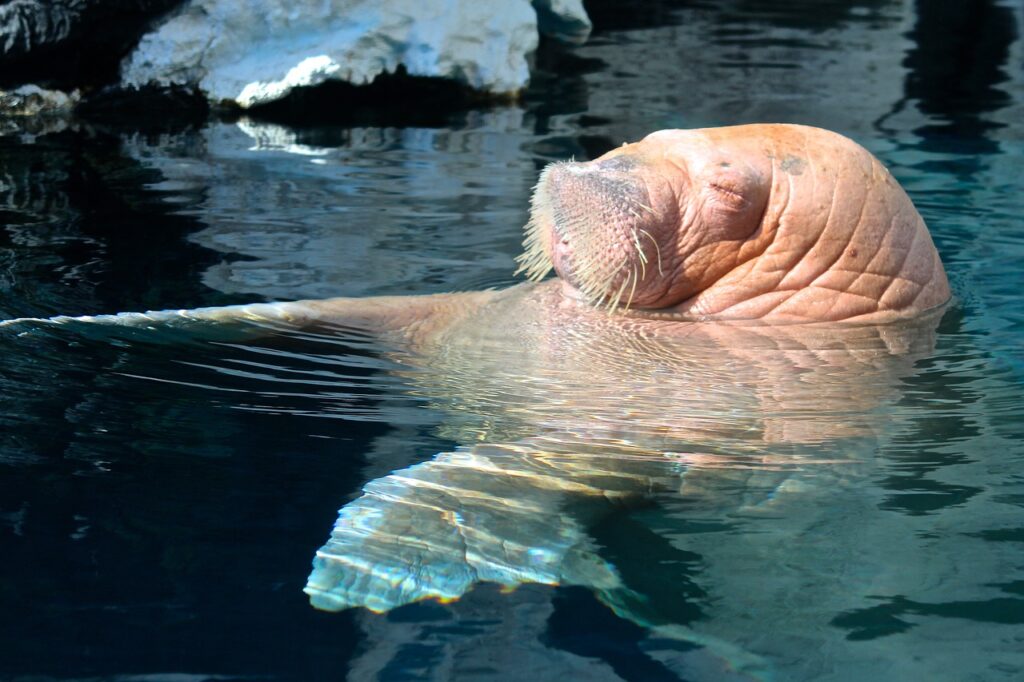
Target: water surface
x: 709, y: 507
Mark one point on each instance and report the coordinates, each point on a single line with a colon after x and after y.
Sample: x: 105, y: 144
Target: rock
x: 26, y: 25
x: 68, y: 44
x: 31, y: 100
x: 255, y: 53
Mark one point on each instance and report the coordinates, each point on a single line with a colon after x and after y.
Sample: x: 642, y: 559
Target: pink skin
x: 779, y: 223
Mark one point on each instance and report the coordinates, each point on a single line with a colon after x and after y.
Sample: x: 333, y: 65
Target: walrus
x: 728, y: 303
x: 775, y: 223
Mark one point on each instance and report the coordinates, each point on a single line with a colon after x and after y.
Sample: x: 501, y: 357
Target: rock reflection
x: 319, y: 212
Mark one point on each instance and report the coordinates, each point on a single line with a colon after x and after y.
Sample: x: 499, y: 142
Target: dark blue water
x: 162, y: 496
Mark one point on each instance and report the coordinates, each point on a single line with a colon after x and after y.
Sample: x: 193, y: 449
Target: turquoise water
x: 714, y: 509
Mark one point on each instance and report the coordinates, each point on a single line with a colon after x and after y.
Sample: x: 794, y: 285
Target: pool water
x: 718, y: 510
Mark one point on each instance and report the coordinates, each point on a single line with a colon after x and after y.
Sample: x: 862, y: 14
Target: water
x: 788, y: 513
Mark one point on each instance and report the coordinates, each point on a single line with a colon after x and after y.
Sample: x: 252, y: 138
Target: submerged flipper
x: 255, y: 312
x: 505, y: 514
x: 488, y: 513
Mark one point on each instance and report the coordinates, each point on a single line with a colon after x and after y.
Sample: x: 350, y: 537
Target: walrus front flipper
x: 221, y: 323
x: 374, y: 314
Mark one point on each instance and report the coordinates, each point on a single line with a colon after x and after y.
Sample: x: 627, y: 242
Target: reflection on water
x: 605, y: 501
x: 306, y: 215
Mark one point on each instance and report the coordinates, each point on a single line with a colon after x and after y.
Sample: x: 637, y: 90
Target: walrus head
x: 647, y: 225
x: 777, y: 222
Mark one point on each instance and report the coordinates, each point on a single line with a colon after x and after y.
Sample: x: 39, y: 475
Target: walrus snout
x: 596, y: 224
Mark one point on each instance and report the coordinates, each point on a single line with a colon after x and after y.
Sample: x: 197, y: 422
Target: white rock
x: 32, y: 100
x: 256, y: 52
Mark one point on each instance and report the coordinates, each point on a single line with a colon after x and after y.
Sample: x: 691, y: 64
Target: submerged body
x: 565, y: 413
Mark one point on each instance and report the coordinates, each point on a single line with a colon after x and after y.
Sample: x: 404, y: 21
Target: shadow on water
x: 960, y: 56
x: 884, y: 619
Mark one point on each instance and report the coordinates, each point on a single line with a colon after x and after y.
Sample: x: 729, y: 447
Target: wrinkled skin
x: 792, y: 286
x: 557, y: 403
x: 773, y: 222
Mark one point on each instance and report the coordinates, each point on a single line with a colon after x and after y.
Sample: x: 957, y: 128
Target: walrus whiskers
x: 632, y: 290
x: 598, y: 279
x: 640, y: 252
x: 657, y: 250
x: 614, y: 303
x: 535, y: 261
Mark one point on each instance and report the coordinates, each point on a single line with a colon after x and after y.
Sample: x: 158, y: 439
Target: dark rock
x: 71, y: 43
